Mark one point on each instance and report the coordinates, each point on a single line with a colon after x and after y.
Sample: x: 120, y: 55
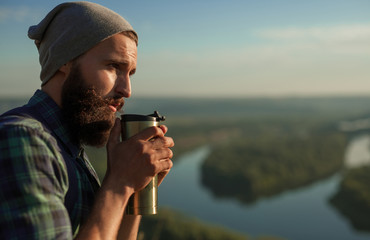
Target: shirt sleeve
x: 33, y: 184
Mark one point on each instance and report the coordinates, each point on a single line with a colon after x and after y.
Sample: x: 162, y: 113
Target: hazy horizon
x: 29, y: 94
x: 218, y: 49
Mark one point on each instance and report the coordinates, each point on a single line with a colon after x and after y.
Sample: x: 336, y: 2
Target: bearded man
x: 49, y: 190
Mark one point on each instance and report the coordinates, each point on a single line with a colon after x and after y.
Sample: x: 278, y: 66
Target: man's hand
x: 131, y: 166
x: 134, y: 162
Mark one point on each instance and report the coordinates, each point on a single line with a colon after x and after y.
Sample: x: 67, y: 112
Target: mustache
x: 115, y: 101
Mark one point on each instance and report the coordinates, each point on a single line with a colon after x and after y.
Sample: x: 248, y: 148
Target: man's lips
x: 113, y: 108
x: 116, y: 105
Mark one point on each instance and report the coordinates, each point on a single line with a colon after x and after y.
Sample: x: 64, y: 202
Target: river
x: 302, y: 214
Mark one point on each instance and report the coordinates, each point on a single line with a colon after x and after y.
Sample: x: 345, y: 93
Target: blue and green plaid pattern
x: 34, y: 179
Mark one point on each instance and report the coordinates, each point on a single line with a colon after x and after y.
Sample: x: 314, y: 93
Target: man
x: 48, y: 189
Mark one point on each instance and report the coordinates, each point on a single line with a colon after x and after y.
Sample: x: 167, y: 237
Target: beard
x: 88, y: 115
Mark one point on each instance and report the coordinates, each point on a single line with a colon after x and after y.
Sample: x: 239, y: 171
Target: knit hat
x: 70, y: 30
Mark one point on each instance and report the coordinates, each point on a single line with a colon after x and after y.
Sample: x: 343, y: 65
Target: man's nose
x: 123, y: 86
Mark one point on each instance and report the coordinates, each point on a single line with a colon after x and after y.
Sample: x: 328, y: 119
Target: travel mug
x: 145, y: 201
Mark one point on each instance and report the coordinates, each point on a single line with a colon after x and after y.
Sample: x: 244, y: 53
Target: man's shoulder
x: 13, y: 122
x: 27, y: 136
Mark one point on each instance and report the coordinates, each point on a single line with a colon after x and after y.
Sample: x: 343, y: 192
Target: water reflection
x: 358, y: 154
x: 352, y: 198
x: 301, y: 214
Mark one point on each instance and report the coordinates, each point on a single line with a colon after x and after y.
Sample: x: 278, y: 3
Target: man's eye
x: 114, y: 65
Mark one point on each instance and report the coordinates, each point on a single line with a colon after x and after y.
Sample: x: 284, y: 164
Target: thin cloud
x: 18, y: 14
x: 341, y: 33
x: 348, y: 39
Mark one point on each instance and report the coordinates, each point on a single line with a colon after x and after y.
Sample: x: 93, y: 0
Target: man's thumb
x: 115, y: 134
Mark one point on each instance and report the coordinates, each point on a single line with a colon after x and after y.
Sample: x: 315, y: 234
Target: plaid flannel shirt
x: 39, y: 169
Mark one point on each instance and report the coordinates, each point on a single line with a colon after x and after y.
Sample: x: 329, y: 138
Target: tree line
x: 268, y: 160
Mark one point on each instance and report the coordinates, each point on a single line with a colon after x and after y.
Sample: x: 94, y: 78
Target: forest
x: 283, y: 155
x: 171, y: 224
x: 353, y: 197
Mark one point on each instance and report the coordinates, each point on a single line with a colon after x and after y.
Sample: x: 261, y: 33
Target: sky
x: 214, y: 48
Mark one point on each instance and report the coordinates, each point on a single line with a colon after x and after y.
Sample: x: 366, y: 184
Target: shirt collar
x: 53, y: 118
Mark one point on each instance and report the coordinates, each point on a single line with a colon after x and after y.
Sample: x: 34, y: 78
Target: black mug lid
x: 136, y: 117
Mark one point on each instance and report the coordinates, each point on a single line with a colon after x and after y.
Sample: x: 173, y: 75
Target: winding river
x: 302, y: 214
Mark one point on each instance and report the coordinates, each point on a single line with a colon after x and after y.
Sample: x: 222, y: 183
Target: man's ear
x: 55, y: 85
x: 65, y: 69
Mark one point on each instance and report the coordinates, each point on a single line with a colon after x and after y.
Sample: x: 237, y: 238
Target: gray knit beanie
x: 70, y: 30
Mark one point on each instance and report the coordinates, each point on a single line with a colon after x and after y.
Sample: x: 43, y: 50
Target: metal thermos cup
x: 145, y: 201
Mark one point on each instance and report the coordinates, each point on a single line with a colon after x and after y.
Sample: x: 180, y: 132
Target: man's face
x: 95, y: 88
x: 109, y: 65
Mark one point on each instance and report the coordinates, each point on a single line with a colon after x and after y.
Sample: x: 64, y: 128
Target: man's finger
x: 115, y: 134
x: 161, y: 176
x: 149, y: 133
x: 163, y: 142
x: 165, y: 164
x: 164, y: 128
x: 163, y: 154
